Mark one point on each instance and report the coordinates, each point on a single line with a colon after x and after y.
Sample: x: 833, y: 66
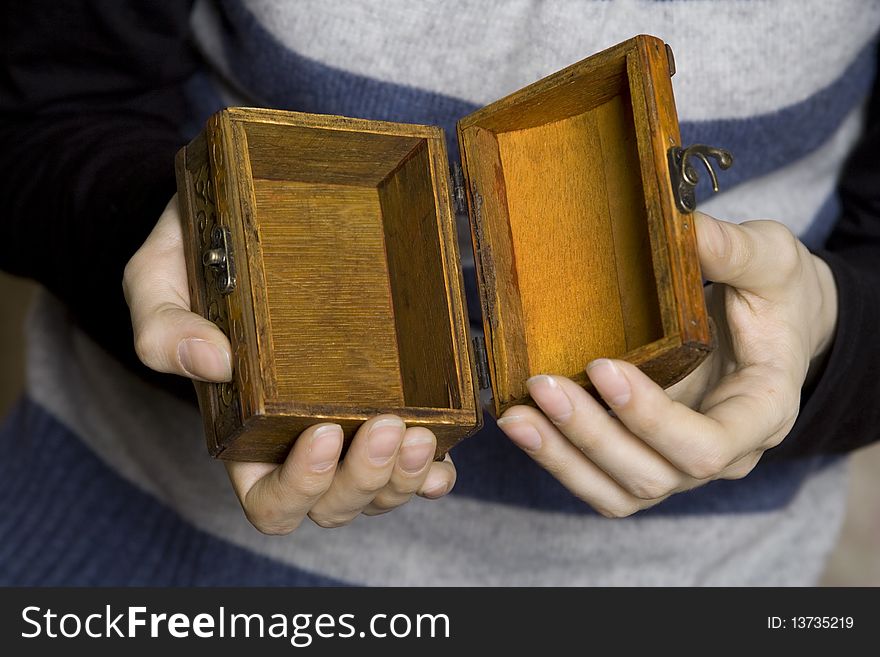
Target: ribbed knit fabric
x: 66, y: 519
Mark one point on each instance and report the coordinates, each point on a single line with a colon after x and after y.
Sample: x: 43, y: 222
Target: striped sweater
x: 105, y: 479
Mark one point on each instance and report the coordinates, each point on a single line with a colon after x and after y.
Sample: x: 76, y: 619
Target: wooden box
x: 325, y: 248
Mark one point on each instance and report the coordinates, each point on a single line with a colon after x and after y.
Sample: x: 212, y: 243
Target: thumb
x: 756, y: 256
x: 167, y: 336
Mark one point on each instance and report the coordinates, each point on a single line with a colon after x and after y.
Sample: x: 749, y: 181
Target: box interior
x: 564, y: 227
x: 355, y: 282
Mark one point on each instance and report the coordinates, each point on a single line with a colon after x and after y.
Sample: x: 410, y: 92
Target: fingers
x: 440, y: 479
x: 168, y: 337
x: 535, y: 434
x: 758, y: 256
x: 409, y: 473
x: 702, y: 445
x: 630, y: 461
x: 276, y: 499
x: 366, y: 470
x: 385, y: 465
x: 651, y: 448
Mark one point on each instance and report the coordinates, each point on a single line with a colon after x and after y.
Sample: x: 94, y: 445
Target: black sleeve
x: 840, y: 412
x: 91, y: 104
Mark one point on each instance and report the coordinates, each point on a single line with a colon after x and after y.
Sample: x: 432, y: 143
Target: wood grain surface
x: 418, y: 286
x: 329, y: 302
x: 625, y: 196
x: 563, y: 244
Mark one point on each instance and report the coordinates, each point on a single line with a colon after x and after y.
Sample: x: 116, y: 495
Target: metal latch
x: 684, y: 176
x: 219, y: 258
x: 482, y: 362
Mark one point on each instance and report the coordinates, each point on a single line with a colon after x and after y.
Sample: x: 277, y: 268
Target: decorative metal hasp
x: 219, y: 258
x: 684, y: 174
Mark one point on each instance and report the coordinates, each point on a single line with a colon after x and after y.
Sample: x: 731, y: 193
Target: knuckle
x: 329, y: 522
x: 786, y: 423
x: 742, y: 248
x: 770, y: 232
x: 782, y: 404
x: 653, y: 487
x: 651, y: 416
x: 136, y: 276
x: 401, y: 489
x: 126, y: 282
x: 589, y: 442
x: 786, y: 248
x: 132, y: 270
x: 706, y: 465
x: 147, y: 345
x: 646, y: 424
x: 366, y: 485
x: 387, y: 501
x: 305, y: 484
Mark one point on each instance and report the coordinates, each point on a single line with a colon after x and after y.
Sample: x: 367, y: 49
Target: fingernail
x: 415, y: 452
x: 550, y: 397
x: 325, y: 447
x: 435, y: 486
x: 383, y: 439
x: 611, y: 383
x: 204, y: 360
x: 520, y: 431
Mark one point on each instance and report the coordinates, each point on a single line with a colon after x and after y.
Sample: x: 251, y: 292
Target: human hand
x: 386, y: 462
x: 775, y: 307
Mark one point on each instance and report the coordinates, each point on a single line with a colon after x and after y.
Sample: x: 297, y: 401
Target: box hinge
x: 459, y: 194
x: 219, y: 259
x: 482, y: 362
x: 684, y: 176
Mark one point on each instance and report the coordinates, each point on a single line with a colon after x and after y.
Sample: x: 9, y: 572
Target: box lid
x: 581, y: 231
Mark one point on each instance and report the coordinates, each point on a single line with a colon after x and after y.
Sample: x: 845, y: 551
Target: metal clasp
x: 219, y: 258
x: 684, y: 176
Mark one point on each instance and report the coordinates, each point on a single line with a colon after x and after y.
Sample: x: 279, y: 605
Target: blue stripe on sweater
x: 823, y: 223
x: 279, y: 77
x: 66, y: 519
x: 767, y: 142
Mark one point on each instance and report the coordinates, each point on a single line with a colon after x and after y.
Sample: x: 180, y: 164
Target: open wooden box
x: 325, y: 247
